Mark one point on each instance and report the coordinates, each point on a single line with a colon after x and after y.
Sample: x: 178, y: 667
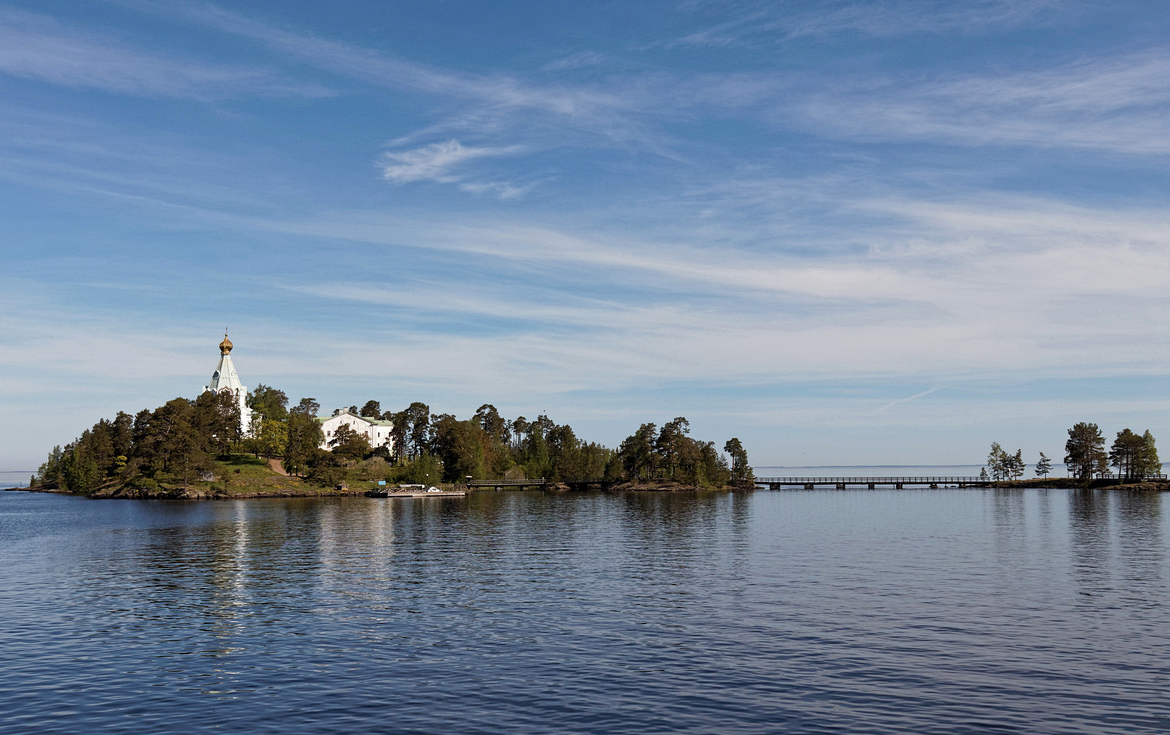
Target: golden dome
x: 225, y: 347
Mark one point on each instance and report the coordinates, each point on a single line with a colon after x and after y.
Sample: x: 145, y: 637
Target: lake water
x: 912, y: 611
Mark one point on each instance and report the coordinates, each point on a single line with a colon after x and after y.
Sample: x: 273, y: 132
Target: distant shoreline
x: 206, y: 491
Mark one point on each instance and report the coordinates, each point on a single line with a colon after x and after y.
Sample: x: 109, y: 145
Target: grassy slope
x: 240, y: 476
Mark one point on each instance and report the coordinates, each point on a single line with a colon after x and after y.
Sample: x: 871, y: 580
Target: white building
x: 379, y: 432
x: 225, y: 379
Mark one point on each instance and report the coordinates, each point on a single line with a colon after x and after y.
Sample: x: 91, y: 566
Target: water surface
x: 822, y: 611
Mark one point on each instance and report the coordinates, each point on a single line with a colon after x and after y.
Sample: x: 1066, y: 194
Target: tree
x: 670, y: 444
x: 1015, y: 465
x: 1005, y: 466
x: 1125, y: 454
x: 304, y: 438
x: 519, y: 431
x: 997, y: 462
x: 637, y: 452
x: 398, y: 434
x: 216, y: 417
x: 371, y: 410
x: 492, y: 423
x: 51, y: 472
x: 418, y: 422
x: 273, y: 438
x: 1148, y: 464
x: 349, y: 444
x: 1043, y: 466
x: 741, y: 471
x: 267, y: 403
x: 323, y: 468
x: 564, y: 453
x: 307, y: 407
x: 459, y: 446
x: 1084, y: 452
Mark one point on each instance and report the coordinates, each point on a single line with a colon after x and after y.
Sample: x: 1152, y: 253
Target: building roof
x: 372, y: 422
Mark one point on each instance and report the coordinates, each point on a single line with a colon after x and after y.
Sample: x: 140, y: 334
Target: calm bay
x: 809, y: 611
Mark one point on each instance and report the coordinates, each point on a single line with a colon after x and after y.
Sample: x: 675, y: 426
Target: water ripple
x: 955, y: 612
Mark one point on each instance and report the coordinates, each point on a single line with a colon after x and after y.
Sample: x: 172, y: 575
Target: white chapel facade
x: 380, y: 433
x: 225, y: 378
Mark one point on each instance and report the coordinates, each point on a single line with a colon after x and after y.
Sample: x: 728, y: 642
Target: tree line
x: 177, y: 441
x: 181, y: 440
x: 1134, y: 456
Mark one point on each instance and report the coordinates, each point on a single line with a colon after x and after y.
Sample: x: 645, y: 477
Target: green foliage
x: 1149, y: 465
x: 372, y: 410
x: 416, y: 430
x: 374, y: 468
x: 216, y: 417
x: 304, y: 438
x: 637, y: 452
x: 670, y: 454
x: 741, y: 470
x: 1004, y: 466
x: 459, y: 446
x: 323, y: 468
x: 425, y: 470
x: 267, y: 404
x: 349, y: 444
x: 1084, y: 452
x: 51, y: 473
x: 273, y: 438
x: 178, y: 441
x: 1135, y: 457
x: 1043, y: 466
x: 307, y: 407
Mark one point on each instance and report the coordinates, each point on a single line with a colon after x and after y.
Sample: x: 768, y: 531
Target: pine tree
x: 1043, y: 466
x: 1085, y: 451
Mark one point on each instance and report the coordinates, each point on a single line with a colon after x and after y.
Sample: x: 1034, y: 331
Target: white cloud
x: 435, y: 162
x: 768, y: 21
x: 38, y: 47
x: 442, y: 163
x: 1117, y: 105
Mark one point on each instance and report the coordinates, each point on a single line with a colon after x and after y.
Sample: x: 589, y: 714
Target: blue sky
x: 846, y: 232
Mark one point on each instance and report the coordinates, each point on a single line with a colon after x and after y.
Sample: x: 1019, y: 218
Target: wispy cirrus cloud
x: 440, y: 163
x: 1119, y: 105
x: 435, y: 162
x: 608, y: 112
x: 769, y: 22
x: 38, y: 47
x: 377, y: 67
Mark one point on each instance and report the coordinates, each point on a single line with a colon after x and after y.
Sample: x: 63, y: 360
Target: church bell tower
x: 225, y: 379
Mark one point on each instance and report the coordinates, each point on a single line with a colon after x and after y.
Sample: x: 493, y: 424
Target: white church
x: 378, y: 432
x: 225, y: 379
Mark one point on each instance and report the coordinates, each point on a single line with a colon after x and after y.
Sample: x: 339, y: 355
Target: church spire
x: 225, y: 379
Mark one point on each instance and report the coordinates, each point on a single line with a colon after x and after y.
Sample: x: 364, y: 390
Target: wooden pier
x: 872, y: 483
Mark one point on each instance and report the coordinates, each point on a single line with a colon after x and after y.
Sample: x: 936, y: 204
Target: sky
x: 869, y: 232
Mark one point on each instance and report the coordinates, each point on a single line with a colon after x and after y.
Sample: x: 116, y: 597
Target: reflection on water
x: 912, y: 611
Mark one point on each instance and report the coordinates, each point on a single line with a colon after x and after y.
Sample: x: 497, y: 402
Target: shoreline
x: 214, y: 492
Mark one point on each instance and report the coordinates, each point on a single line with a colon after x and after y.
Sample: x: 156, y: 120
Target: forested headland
x: 1133, y: 455
x: 198, y: 444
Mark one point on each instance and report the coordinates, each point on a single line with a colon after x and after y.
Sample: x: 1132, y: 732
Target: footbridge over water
x: 509, y: 484
x: 872, y: 483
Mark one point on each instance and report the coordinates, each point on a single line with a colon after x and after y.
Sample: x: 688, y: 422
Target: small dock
x: 413, y: 491
x: 870, y: 483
